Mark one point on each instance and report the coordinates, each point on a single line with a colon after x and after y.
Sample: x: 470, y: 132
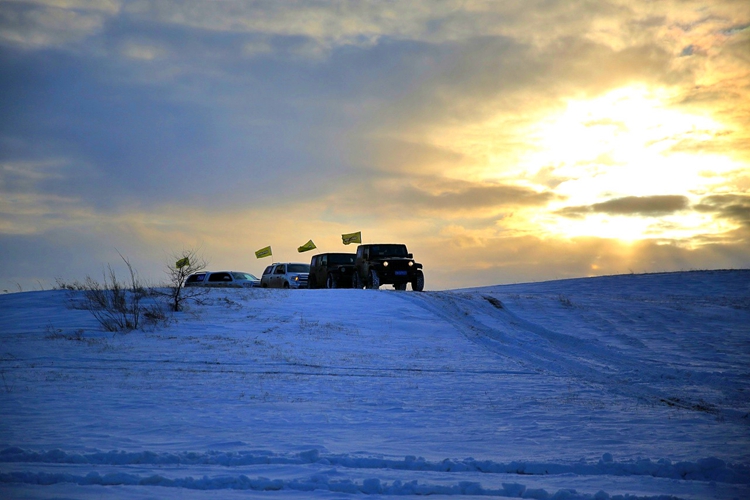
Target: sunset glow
x: 500, y: 141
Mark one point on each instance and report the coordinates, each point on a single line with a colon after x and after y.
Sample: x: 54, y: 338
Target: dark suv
x: 331, y: 270
x: 386, y: 263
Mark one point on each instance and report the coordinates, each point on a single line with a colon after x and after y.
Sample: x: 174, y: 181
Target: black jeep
x: 331, y: 270
x: 384, y: 264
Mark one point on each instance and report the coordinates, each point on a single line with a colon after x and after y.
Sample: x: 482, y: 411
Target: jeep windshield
x: 341, y: 258
x: 298, y: 268
x: 388, y: 251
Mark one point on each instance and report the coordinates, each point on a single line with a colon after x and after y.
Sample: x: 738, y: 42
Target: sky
x: 502, y: 141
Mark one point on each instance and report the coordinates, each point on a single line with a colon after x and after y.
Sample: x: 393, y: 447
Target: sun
x: 630, y: 142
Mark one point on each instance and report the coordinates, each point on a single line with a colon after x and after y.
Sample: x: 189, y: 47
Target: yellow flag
x: 352, y: 237
x: 306, y: 247
x: 263, y: 252
x: 182, y: 263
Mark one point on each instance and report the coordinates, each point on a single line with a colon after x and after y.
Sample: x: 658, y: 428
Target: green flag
x: 352, y: 238
x: 306, y: 247
x: 264, y: 252
x: 182, y: 263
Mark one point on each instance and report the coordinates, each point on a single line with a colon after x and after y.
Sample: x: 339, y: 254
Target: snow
x: 630, y: 386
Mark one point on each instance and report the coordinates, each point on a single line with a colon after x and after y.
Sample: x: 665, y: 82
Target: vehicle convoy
x: 285, y: 275
x: 331, y: 270
x: 222, y: 279
x: 386, y: 264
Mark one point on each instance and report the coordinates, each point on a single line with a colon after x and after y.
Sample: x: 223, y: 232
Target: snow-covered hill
x: 590, y: 388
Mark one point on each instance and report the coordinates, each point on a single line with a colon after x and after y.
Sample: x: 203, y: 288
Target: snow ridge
x: 371, y: 486
x: 707, y: 469
x: 552, y: 390
x: 483, y: 319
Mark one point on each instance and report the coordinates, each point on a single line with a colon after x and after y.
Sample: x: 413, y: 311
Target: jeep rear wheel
x: 374, y: 282
x: 332, y: 281
x: 418, y: 284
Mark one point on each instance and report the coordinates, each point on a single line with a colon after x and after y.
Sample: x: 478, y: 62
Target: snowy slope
x: 626, y: 385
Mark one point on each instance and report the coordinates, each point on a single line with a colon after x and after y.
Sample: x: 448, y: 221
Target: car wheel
x: 332, y: 281
x: 286, y: 284
x: 374, y: 282
x: 418, y: 284
x: 356, y: 283
x: 400, y: 286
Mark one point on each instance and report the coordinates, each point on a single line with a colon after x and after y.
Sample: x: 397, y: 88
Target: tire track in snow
x: 250, y: 368
x: 558, y: 354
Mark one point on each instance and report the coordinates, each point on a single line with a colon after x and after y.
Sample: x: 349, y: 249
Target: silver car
x: 285, y: 275
x: 225, y: 279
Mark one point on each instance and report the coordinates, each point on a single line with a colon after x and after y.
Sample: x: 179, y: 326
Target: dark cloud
x: 735, y: 207
x: 646, y: 206
x: 473, y: 196
x: 393, y: 197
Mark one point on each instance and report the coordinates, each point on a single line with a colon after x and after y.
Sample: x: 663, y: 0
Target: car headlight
x: 385, y: 264
x: 411, y: 263
x: 296, y: 278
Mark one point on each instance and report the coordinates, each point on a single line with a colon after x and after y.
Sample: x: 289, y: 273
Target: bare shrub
x: 73, y: 286
x: 116, y: 305
x: 185, y: 263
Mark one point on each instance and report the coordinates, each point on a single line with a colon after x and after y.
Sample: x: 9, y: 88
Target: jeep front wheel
x: 418, y: 283
x: 374, y: 282
x: 356, y: 282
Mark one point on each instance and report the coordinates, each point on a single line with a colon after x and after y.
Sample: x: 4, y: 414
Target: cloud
x: 735, y: 207
x: 51, y: 23
x: 644, y: 206
x: 255, y: 123
x: 389, y: 197
x: 454, y: 195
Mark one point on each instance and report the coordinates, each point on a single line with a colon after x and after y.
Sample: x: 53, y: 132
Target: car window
x: 193, y: 278
x: 244, y: 276
x: 214, y: 277
x: 279, y: 269
x: 267, y: 270
x: 388, y: 251
x: 299, y: 268
x: 341, y: 258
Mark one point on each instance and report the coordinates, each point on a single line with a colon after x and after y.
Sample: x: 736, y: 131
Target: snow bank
x: 707, y: 469
x: 316, y: 483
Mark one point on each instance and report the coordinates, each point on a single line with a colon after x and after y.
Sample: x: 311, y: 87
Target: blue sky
x: 501, y: 141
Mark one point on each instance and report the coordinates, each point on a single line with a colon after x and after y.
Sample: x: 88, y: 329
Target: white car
x: 226, y: 279
x: 285, y: 275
